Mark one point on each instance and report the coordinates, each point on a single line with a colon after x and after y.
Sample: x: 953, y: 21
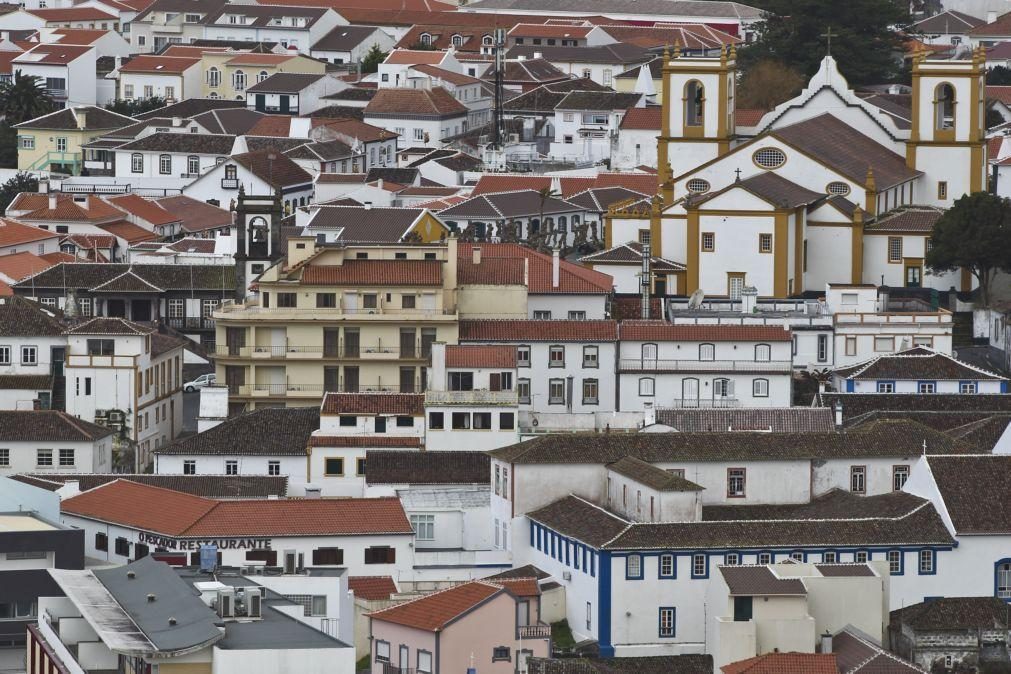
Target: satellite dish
x: 695, y: 301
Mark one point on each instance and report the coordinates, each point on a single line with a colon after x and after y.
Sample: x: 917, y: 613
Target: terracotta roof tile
x: 976, y: 491
x: 208, y: 486
x: 435, y: 611
x: 73, y: 14
x: 509, y: 330
x: 748, y: 116
x: 274, y: 168
x: 646, y: 118
x: 918, y: 219
x: 123, y: 502
x: 572, y: 278
x: 397, y: 404
x: 919, y: 363
x: 759, y: 580
x: 372, y: 588
x: 375, y: 273
x: 651, y: 476
x: 475, y: 355
x: 414, y: 56
x: 19, y: 265
x: 48, y: 425
x: 390, y: 466
x: 785, y: 663
x: 129, y: 232
x: 14, y: 233
x: 196, y: 216
x: 359, y: 441
x: 435, y: 102
x: 654, y: 330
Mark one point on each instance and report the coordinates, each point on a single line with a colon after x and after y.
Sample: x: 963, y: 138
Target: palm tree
x: 24, y: 97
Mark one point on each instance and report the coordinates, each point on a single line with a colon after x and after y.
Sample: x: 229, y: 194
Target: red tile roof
x: 272, y: 125
x: 474, y: 355
x: 508, y: 182
x: 56, y: 258
x: 20, y: 265
x: 73, y: 14
x: 67, y: 208
x: 147, y: 63
x: 14, y: 233
x: 372, y: 588
x: 520, y: 587
x: 144, y: 209
x: 179, y: 514
x: 664, y: 331
x: 375, y: 273
x: 785, y: 663
x: 377, y: 441
x: 53, y: 54
x: 549, y: 30
x: 189, y: 50
x: 642, y: 119
x: 514, y: 330
x: 447, y: 75
x: 748, y: 116
x: 397, y: 404
x: 414, y: 56
x: 435, y: 611
x: 80, y: 35
x: 128, y: 231
x: 572, y: 278
x: 435, y: 101
x: 5, y: 61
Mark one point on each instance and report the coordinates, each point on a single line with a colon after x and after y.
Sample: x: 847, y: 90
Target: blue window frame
x: 700, y: 565
x: 576, y: 554
x: 667, y: 622
x: 593, y: 564
x: 926, y: 387
x: 568, y: 559
x: 667, y: 565
x: 633, y: 567
x: 554, y: 545
x: 861, y: 556
x: 798, y: 555
x: 968, y: 387
x: 766, y: 557
x: 926, y: 562
x: 1002, y: 579
x: 886, y: 387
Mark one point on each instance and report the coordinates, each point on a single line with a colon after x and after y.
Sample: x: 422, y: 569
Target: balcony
x: 191, y: 323
x: 373, y: 352
x: 667, y: 365
x: 252, y: 311
x: 56, y: 93
x: 725, y: 402
x: 471, y: 398
x: 539, y: 631
x: 229, y: 183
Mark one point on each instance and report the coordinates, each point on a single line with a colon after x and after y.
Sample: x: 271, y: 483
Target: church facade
x: 828, y: 187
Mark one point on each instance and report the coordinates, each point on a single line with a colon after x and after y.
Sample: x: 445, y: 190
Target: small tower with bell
x: 257, y: 226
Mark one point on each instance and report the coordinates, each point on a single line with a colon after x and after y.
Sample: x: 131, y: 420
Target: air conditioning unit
x: 226, y: 602
x: 254, y: 602
x: 116, y: 416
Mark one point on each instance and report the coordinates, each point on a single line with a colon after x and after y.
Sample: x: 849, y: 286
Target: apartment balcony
x: 191, y: 323
x: 726, y: 402
x: 717, y: 366
x: 310, y: 391
x: 253, y: 312
x: 58, y: 94
x: 374, y: 352
x: 84, y: 360
x: 471, y: 398
x: 538, y: 631
x: 229, y: 183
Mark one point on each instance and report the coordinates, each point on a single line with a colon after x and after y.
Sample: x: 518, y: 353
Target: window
x: 29, y: 355
x: 577, y: 315
x: 61, y: 144
x: 102, y: 541
x: 590, y: 356
x: 763, y: 353
x: 424, y: 527
x: 944, y: 107
x: 101, y: 347
x: 5, y: 457
x: 419, y: 134
x: 736, y: 482
x: 148, y: 91
x: 963, y: 387
x: 424, y: 662
x: 323, y: 300
x: 382, y: 651
x: 556, y: 356
x: 501, y: 653
x: 666, y: 622
x: 522, y: 356
x: 408, y: 301
x: 506, y: 421
x: 886, y: 387
x: 231, y: 467
x: 405, y: 421
x: 926, y: 562
x: 698, y: 186
x: 238, y: 80
x: 647, y: 386
x: 360, y: 466
x: 899, y: 476
x: 461, y: 421
x: 542, y: 315
x: 769, y: 157
x: 44, y: 457
x: 461, y: 381
x: 695, y: 103
x: 590, y: 391
x: 556, y: 392
x: 66, y: 457
x: 851, y: 346
x: 858, y: 479
x: 380, y: 554
x: 5, y: 355
x: 137, y: 162
x: 895, y: 249
x: 765, y: 243
x: 942, y: 189
x: 633, y: 567
x: 708, y: 242
x: 523, y: 391
x: 347, y: 421
x: 213, y: 77
x: 189, y: 467
x: 436, y: 421
x: 273, y: 468
x: 765, y: 558
x: 482, y: 421
x: 760, y: 388
x: 797, y: 555
x: 861, y: 556
x: 840, y: 189
x: 287, y: 300
x: 707, y: 352
x: 926, y: 387
x: 829, y: 557
x: 333, y: 466
x: 823, y: 348
x: 327, y: 557
x: 667, y: 568
x: 1003, y: 588
x: 884, y: 343
x: 700, y: 566
x: 589, y: 611
x: 122, y: 547
x: 894, y: 562
x: 27, y: 142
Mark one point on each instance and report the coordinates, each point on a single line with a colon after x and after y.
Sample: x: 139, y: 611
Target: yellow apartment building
x: 228, y: 75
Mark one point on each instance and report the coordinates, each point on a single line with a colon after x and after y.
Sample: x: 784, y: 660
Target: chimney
x: 43, y: 186
x: 81, y: 114
x: 367, y: 205
x: 521, y: 57
x: 177, y: 121
x: 838, y: 413
x: 52, y: 202
x: 380, y: 183
x: 538, y: 55
x: 648, y: 414
x: 554, y: 268
x: 826, y: 642
x: 476, y: 252
x: 991, y: 17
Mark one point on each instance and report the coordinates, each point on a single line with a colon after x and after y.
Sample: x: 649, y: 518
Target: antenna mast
x: 499, y: 74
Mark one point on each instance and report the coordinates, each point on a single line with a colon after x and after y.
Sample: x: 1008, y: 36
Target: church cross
x: 738, y: 172
x: 828, y: 39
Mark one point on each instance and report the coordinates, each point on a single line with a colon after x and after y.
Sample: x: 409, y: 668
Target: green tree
x: 21, y: 182
x: 131, y: 108
x: 974, y: 234
x: 993, y: 118
x: 373, y: 58
x: 768, y: 83
x: 8, y: 145
x: 24, y: 97
x: 866, y: 39
x: 999, y: 76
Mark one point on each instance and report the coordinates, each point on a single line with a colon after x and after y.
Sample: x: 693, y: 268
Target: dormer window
x: 426, y: 39
x: 457, y: 40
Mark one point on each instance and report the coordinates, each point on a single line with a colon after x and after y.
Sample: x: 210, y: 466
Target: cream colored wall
x: 492, y: 302
x: 45, y: 142
x: 299, y: 64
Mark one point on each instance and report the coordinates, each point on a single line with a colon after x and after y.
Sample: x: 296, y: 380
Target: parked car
x: 200, y: 382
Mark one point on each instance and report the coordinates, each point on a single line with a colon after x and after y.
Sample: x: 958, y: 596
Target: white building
x: 48, y: 441
x: 587, y: 122
x: 67, y: 72
x: 32, y: 352
x: 262, y: 172
x: 181, y: 157
x: 420, y: 117
x: 917, y: 370
x: 695, y: 366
